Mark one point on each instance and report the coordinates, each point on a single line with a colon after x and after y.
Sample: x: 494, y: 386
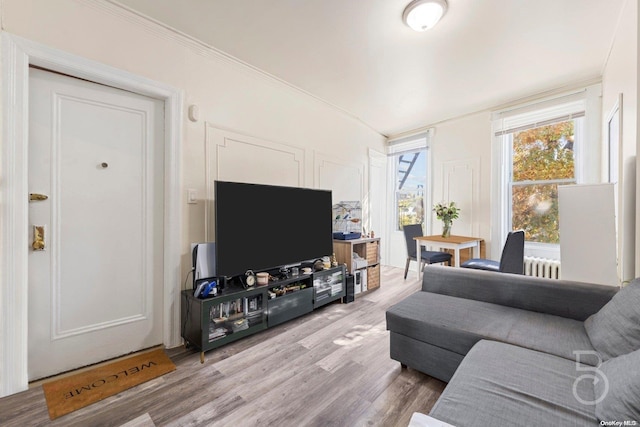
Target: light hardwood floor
x: 328, y: 368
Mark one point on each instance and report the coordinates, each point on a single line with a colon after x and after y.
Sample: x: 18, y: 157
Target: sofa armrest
x: 574, y: 300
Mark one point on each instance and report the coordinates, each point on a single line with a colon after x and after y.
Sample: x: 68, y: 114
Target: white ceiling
x: 360, y: 57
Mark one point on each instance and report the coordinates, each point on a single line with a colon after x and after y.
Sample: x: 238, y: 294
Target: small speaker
x: 350, y: 294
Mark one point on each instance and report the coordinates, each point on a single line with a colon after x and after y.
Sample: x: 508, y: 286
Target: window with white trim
x: 542, y: 157
x: 408, y: 163
x: 540, y: 147
x: 410, y: 182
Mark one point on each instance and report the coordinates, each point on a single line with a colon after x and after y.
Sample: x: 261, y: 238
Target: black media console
x: 237, y: 312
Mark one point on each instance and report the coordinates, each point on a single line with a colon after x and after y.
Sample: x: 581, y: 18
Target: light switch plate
x: 194, y: 113
x: 192, y: 196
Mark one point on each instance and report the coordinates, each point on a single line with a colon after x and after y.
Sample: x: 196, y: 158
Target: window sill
x: 542, y: 250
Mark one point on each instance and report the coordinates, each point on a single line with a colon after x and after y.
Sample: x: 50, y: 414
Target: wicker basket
x: 373, y: 277
x: 372, y: 252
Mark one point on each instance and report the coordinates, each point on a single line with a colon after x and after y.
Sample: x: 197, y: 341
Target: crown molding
x: 206, y: 50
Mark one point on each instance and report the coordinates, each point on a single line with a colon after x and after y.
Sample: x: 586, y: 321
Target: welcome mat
x: 77, y: 391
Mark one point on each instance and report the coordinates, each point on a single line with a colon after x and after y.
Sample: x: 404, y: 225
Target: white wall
x: 461, y: 154
x: 231, y: 97
x: 236, y: 98
x: 620, y: 76
x: 461, y: 159
x: 461, y: 151
x: 459, y: 170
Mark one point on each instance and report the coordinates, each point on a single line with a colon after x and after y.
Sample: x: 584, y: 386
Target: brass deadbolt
x: 35, y: 197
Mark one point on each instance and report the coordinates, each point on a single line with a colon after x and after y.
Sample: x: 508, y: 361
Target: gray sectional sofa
x: 519, y: 350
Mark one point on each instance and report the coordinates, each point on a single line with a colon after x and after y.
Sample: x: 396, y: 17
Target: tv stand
x: 237, y: 312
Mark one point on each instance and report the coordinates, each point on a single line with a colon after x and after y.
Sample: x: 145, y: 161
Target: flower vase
x: 446, y: 229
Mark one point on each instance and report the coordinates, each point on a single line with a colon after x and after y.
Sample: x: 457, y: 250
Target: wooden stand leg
x: 202, y: 357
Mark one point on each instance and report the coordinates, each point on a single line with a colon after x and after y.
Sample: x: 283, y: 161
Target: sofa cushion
x: 615, y: 329
x: 554, y: 335
x: 500, y: 384
x: 618, y: 398
x: 449, y: 322
x: 457, y: 324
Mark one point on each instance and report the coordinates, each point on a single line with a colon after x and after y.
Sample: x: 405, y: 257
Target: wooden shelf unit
x: 366, y: 248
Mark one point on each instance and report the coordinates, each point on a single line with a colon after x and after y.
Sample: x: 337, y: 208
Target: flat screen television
x: 262, y: 227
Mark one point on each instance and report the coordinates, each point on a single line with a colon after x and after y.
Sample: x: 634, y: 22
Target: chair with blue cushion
x: 429, y: 257
x: 511, y: 261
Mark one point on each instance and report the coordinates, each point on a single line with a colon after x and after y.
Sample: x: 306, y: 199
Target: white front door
x: 95, y: 290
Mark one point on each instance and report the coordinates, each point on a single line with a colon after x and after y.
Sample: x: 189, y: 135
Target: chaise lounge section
x: 518, y: 349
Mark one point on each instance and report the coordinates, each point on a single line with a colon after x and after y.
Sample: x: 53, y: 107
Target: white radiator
x: 542, y: 267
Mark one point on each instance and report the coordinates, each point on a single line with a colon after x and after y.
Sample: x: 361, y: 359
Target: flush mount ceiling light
x: 421, y: 15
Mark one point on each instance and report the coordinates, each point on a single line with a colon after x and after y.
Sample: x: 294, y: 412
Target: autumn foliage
x: 540, y: 155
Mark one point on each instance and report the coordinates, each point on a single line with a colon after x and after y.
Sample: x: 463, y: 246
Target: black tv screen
x: 262, y: 227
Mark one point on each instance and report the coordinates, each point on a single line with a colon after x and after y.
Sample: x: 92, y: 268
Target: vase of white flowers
x: 446, y: 213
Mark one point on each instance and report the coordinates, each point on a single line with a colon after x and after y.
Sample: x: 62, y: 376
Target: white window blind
x: 523, y: 119
x: 410, y: 143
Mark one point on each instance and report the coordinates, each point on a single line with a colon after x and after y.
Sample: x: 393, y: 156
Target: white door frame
x: 17, y: 54
x: 378, y: 160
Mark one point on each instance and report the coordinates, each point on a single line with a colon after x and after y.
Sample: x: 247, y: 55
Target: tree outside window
x: 542, y: 158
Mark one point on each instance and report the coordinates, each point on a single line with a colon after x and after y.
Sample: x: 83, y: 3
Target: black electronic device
x: 265, y: 227
x: 350, y: 290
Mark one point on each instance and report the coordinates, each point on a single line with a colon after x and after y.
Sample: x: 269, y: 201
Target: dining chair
x: 511, y: 260
x: 429, y: 257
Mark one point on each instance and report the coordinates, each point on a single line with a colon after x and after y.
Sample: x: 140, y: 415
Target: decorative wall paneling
x: 345, y: 178
x: 232, y: 156
x: 461, y: 184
